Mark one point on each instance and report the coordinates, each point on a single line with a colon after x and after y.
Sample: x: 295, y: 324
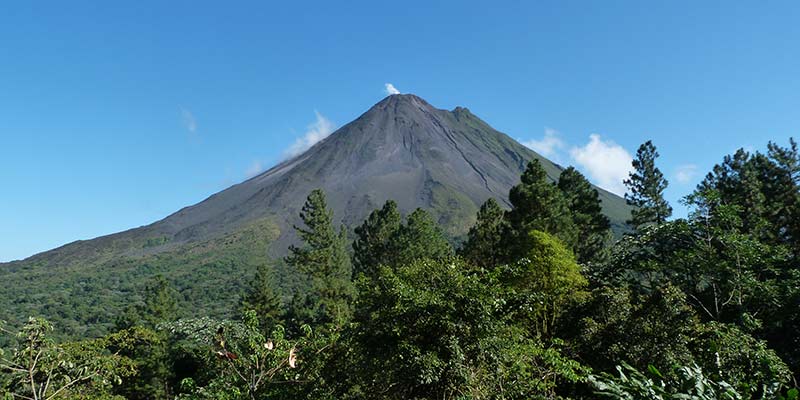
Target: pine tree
x: 646, y: 186
x: 323, y: 259
x: 738, y: 182
x: 263, y: 298
x: 160, y: 301
x: 584, y: 204
x: 765, y: 189
x: 782, y: 187
x: 154, y: 360
x: 753, y: 201
x: 483, y: 247
x: 374, y: 239
x: 421, y: 238
x: 537, y: 204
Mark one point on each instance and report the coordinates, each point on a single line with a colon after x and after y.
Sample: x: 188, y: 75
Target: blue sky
x: 115, y: 115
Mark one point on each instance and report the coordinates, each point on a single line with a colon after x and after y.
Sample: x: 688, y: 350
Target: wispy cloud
x: 254, y: 169
x: 606, y: 163
x: 685, y: 173
x: 189, y: 120
x: 549, y: 146
x: 390, y: 89
x: 315, y: 132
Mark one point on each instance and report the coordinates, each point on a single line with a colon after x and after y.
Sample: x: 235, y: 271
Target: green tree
x: 246, y: 363
x: 765, y: 188
x: 483, y: 247
x: 749, y: 205
x: 618, y: 325
x: 263, y: 298
x: 737, y: 182
x: 537, y: 204
x: 374, y: 244
x: 782, y: 325
x: 543, y: 283
x: 730, y: 354
x: 433, y: 329
x: 737, y: 286
x: 646, y: 185
x: 154, y: 360
x: 160, y: 303
x: 782, y: 188
x: 39, y: 368
x: 724, y: 274
x: 583, y: 200
x: 421, y: 238
x: 323, y: 259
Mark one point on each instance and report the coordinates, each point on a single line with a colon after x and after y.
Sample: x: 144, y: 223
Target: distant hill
x: 448, y: 162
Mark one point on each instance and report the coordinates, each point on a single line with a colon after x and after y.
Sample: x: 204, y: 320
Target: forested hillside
x: 540, y: 302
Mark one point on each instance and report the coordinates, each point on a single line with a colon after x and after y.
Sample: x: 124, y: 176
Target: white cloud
x: 549, y: 145
x: 315, y: 132
x: 390, y: 89
x: 254, y: 169
x: 685, y: 173
x: 606, y: 162
x: 188, y: 120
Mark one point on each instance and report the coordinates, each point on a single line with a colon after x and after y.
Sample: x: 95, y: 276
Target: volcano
x: 445, y: 161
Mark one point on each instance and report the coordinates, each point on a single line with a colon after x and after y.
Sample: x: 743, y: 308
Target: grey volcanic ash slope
x: 402, y: 148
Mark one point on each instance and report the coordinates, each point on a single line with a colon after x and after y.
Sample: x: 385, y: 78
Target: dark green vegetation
x: 445, y: 162
x: 86, y: 300
x: 540, y: 302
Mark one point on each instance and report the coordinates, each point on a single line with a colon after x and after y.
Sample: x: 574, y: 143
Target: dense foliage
x: 538, y: 303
